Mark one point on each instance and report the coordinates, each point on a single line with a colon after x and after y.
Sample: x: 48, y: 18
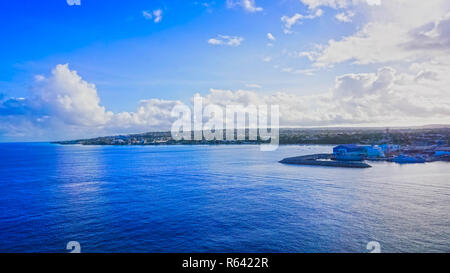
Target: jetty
x: 323, y: 160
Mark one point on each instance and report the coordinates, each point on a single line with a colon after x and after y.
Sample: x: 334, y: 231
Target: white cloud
x: 386, y: 97
x: 64, y: 105
x: 253, y: 85
x: 312, y: 4
x: 156, y: 15
x: 248, y: 5
x: 226, y: 40
x: 152, y: 113
x: 297, y: 18
x: 373, y: 2
x: 270, y: 36
x: 311, y: 55
x: 397, y: 30
x: 39, y: 78
x: 66, y: 95
x: 74, y: 2
x: 372, y: 44
x: 345, y: 16
x: 339, y: 4
x: 390, y: 95
x: 432, y: 36
x: 306, y: 72
x: 147, y: 15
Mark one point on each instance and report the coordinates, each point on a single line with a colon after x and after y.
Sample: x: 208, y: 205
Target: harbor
x: 354, y: 156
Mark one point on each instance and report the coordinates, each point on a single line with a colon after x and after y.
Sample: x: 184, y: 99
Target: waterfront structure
x: 351, y: 156
x: 353, y: 152
x: 389, y: 147
x: 442, y: 151
x: 374, y: 151
x: 323, y: 160
x: 349, y: 152
x: 404, y: 159
x: 347, y: 149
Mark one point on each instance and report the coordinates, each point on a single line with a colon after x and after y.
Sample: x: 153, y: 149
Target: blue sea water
x: 214, y: 199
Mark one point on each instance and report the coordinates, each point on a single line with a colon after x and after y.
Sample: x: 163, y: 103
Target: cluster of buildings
x: 353, y: 152
x: 407, y: 154
x: 136, y: 141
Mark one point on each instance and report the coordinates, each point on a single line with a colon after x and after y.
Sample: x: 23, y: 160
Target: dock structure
x: 323, y: 160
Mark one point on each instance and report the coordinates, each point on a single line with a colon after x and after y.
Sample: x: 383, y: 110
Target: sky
x: 85, y: 68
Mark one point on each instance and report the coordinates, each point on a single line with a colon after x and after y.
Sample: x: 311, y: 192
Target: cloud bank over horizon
x: 64, y: 106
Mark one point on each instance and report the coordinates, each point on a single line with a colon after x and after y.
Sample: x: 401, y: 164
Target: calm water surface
x: 214, y: 199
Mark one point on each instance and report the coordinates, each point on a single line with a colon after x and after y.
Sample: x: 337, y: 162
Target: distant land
x: 419, y: 136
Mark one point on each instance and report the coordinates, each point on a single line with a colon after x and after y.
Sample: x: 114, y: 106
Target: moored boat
x: 404, y: 159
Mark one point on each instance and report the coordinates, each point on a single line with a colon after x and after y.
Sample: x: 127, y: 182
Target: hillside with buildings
x: 424, y: 136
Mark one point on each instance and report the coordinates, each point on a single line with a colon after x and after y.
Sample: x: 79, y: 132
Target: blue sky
x: 131, y: 57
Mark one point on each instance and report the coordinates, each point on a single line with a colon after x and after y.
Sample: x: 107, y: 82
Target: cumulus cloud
x: 68, y: 103
x: 372, y: 44
x: 435, y: 35
x: 64, y: 106
x: 383, y: 98
x: 396, y: 31
x: 387, y: 95
x: 74, y: 100
x: 248, y: 5
x: 226, y: 40
x: 152, y: 113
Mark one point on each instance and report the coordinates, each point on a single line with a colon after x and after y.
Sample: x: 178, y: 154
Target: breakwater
x: 323, y: 160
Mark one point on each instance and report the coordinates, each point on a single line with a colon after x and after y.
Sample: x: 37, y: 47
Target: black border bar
x: 240, y: 262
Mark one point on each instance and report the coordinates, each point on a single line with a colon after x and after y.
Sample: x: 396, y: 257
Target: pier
x: 323, y: 160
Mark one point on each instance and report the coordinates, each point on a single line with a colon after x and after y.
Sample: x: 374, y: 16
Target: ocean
x: 227, y: 198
